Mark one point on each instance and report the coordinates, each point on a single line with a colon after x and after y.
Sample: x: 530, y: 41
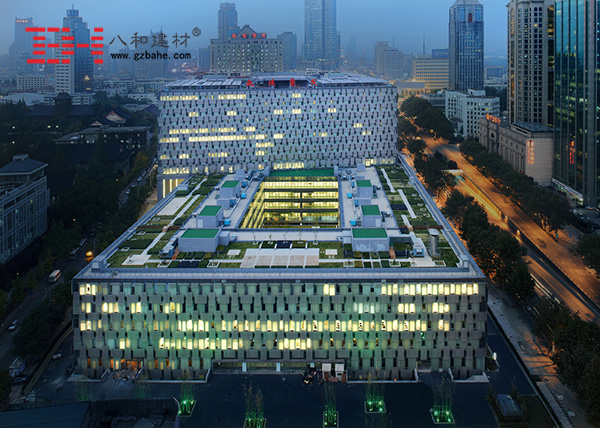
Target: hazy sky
x: 404, y: 21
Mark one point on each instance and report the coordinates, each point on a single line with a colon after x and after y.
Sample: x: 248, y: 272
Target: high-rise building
x: 380, y: 49
x: 398, y: 66
x: 228, y: 20
x: 151, y: 56
x: 576, y: 86
x: 529, y: 76
x: 76, y: 72
x: 321, y: 39
x: 24, y: 200
x: 352, y: 51
x: 22, y: 47
x: 433, y: 69
x: 246, y: 52
x: 278, y: 121
x: 289, y: 45
x: 466, y: 45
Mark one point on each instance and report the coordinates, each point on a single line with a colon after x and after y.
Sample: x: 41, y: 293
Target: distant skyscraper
x: 576, y: 88
x: 466, y: 45
x: 152, y: 60
x: 22, y: 47
x: 380, y: 48
x: 289, y: 43
x: 78, y: 74
x: 528, y: 68
x: 321, y: 40
x: 228, y: 20
x: 352, y: 51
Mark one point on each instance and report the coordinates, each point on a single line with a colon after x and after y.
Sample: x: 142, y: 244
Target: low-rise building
x: 24, y: 200
x: 528, y: 147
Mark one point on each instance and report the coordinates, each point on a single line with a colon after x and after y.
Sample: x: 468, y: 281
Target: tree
x: 589, y: 248
x: 5, y: 384
x: 416, y: 147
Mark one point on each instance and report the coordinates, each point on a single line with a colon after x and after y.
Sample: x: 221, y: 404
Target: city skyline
x: 407, y: 37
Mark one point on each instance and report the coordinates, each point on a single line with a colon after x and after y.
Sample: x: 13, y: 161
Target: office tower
x: 398, y: 66
x: 204, y: 59
x: 289, y: 45
x: 576, y: 127
x: 321, y: 40
x: 352, y: 51
x: 433, y: 70
x: 24, y: 199
x: 277, y: 121
x: 228, y: 20
x: 466, y: 45
x: 260, y: 276
x: 78, y: 74
x: 380, y: 49
x: 528, y: 54
x: 246, y: 52
x: 465, y: 108
x: 22, y: 48
x: 152, y: 56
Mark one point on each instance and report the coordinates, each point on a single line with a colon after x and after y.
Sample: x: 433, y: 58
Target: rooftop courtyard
x: 353, y: 218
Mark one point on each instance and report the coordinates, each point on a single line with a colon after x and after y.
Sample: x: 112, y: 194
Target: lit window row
x: 218, y: 155
x: 179, y: 98
x: 169, y: 140
x: 232, y: 97
x: 193, y: 114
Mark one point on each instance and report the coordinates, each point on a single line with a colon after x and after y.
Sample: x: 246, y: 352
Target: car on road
x: 128, y: 191
x: 56, y: 356
x: 13, y: 325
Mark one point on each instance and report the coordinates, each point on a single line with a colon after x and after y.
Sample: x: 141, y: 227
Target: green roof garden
x: 363, y: 183
x: 210, y: 211
x: 327, y: 172
x: 368, y: 233
x: 200, y: 233
x: 229, y: 184
x: 370, y: 210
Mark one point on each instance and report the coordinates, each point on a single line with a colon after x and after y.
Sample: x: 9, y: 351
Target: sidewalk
x: 535, y: 357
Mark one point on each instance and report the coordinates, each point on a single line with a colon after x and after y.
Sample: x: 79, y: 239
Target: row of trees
x: 577, y: 353
x: 428, y: 117
x: 497, y: 252
x: 545, y: 207
x: 431, y: 168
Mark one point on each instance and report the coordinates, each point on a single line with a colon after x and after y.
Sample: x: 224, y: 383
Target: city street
x: 559, y: 252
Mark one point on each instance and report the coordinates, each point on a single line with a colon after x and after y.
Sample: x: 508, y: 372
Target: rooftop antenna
x: 423, y: 44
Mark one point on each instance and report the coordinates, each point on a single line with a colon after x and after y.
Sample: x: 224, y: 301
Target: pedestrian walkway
x: 537, y: 360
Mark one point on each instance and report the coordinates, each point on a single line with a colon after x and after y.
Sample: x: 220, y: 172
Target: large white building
x: 276, y: 270
x: 279, y: 121
x: 24, y: 200
x: 465, y: 108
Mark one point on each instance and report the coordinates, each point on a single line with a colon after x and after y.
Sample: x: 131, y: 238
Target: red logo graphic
x: 63, y: 48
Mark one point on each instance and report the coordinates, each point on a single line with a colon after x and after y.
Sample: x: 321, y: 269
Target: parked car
x: 13, y: 325
x: 56, y: 356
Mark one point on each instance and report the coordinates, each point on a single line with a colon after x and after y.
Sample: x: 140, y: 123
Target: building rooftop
x: 21, y: 165
x: 69, y: 416
x: 276, y: 232
x: 200, y: 233
x: 533, y: 127
x: 363, y: 183
x: 229, y: 184
x: 369, y: 233
x: 370, y: 210
x: 210, y: 211
x: 262, y: 81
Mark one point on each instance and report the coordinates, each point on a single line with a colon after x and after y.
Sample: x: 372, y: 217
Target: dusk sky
x: 404, y: 21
